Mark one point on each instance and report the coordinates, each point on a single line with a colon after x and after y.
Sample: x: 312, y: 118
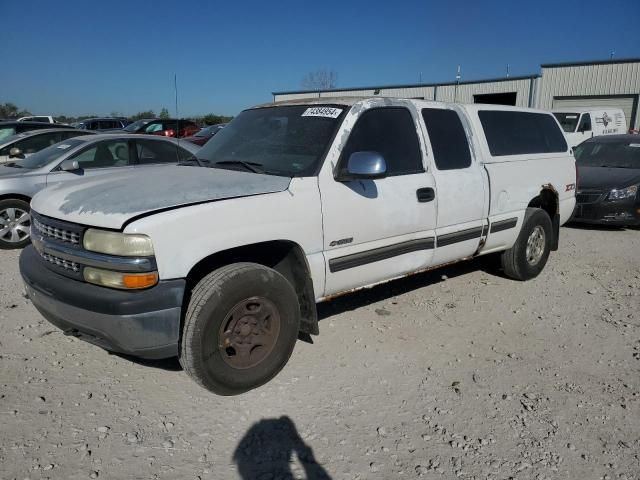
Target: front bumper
x: 602, y: 212
x: 144, y: 323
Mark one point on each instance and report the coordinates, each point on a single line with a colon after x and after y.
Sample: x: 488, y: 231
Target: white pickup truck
x: 221, y: 261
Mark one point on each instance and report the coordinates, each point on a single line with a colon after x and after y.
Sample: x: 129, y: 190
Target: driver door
x: 378, y: 229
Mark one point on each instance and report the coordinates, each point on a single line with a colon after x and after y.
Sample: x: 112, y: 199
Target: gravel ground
x: 457, y: 373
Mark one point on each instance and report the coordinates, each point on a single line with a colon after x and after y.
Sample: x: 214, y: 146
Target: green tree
x: 147, y: 114
x: 213, y: 119
x: 164, y: 113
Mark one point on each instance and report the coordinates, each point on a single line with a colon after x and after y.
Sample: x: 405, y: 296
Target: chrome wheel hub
x: 14, y: 225
x: 535, y: 245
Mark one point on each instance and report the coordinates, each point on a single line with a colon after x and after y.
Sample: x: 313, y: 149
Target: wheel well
x: 15, y: 196
x: 548, y: 201
x: 286, y: 257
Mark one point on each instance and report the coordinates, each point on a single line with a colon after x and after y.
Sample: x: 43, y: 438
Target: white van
x: 580, y: 124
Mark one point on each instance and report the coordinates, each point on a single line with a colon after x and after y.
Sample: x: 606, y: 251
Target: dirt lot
x: 457, y: 373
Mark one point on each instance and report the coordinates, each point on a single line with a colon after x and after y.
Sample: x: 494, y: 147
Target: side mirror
x: 15, y: 152
x: 364, y: 165
x: 70, y: 165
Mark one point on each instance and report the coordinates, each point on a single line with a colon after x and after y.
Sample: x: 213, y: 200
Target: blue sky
x: 84, y: 57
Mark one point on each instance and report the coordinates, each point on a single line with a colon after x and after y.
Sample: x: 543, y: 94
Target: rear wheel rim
x: 535, y: 245
x: 14, y: 225
x: 249, y: 333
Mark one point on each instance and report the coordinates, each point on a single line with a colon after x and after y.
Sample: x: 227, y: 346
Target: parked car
x: 38, y: 118
x: 206, y: 134
x: 76, y: 158
x: 166, y: 127
x: 581, y: 124
x: 300, y: 202
x: 609, y: 179
x: 8, y: 129
x: 24, y: 144
x: 101, y: 124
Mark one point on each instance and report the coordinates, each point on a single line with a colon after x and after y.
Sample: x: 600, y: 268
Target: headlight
x: 623, y: 193
x: 108, y: 278
x: 115, y: 243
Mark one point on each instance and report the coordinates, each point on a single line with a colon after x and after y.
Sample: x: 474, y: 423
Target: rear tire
x: 240, y: 328
x: 15, y: 223
x: 528, y: 256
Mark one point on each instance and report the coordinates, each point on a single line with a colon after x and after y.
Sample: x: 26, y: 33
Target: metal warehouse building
x: 611, y: 83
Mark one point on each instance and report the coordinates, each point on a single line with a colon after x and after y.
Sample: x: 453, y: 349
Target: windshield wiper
x: 251, y: 166
x: 13, y: 164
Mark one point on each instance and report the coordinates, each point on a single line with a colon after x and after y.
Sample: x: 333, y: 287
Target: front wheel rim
x: 249, y: 333
x: 535, y: 245
x: 14, y: 225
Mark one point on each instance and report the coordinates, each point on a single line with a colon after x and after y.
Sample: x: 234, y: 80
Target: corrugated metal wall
x: 557, y: 81
x: 447, y: 93
x: 590, y: 80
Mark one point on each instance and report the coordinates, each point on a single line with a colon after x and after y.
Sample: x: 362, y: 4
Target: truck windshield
x: 616, y: 154
x: 568, y: 121
x: 282, y: 140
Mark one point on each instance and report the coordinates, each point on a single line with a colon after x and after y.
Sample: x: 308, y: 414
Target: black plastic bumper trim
x: 378, y: 254
x: 504, y: 225
x: 461, y: 236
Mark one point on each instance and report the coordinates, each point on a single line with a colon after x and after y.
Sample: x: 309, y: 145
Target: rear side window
x: 158, y: 151
x: 521, y: 133
x: 448, y: 140
x: 392, y: 133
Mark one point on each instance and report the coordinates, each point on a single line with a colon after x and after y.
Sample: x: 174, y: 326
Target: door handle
x: 426, y: 194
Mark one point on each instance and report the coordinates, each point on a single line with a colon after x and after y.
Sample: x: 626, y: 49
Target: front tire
x: 240, y: 328
x: 15, y: 223
x: 528, y: 256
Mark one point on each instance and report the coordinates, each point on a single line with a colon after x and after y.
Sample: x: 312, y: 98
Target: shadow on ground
x: 267, y: 452
x: 596, y: 226
x: 488, y: 264
x: 168, y: 364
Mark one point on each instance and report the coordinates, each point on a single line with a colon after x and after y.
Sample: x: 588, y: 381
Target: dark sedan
x: 608, y: 180
x: 206, y: 134
x: 166, y: 127
x: 8, y: 129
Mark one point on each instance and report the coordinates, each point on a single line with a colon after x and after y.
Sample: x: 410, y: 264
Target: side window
x: 448, y: 139
x: 391, y: 132
x: 36, y: 143
x: 521, y: 133
x: 585, y: 123
x: 110, y: 153
x: 158, y: 151
x: 153, y: 127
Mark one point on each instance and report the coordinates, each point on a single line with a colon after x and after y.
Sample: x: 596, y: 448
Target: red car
x: 204, y: 135
x: 168, y: 127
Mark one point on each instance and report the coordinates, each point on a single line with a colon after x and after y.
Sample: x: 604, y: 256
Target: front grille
x: 61, y: 262
x: 61, y: 234
x: 588, y: 197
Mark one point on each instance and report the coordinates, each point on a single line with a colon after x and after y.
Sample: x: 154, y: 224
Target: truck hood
x: 109, y: 201
x: 607, y: 177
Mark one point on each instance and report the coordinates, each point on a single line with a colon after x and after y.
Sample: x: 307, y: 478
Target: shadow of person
x: 266, y: 452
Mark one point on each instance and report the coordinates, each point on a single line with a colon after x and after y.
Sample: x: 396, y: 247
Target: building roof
x: 411, y: 85
x: 591, y: 62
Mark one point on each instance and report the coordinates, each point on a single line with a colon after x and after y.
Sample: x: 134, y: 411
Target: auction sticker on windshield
x: 64, y: 146
x: 328, y: 112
